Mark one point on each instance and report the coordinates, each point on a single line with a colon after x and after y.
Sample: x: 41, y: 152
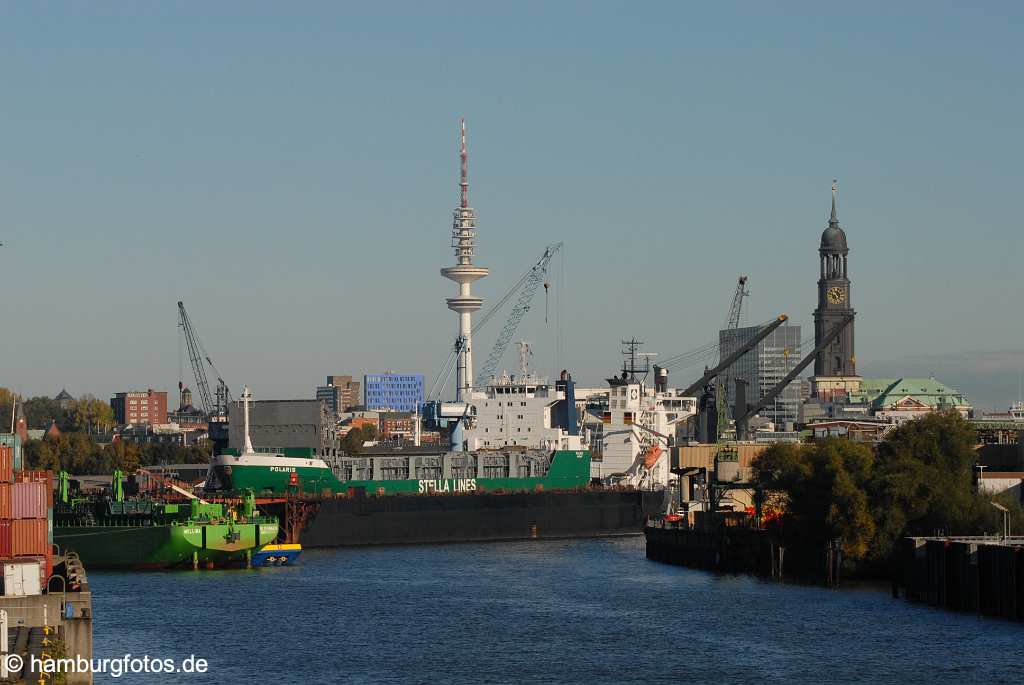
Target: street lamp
x: 1006, y: 518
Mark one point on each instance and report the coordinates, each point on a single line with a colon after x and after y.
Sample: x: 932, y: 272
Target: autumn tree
x: 92, y: 415
x: 122, y: 455
x: 6, y: 406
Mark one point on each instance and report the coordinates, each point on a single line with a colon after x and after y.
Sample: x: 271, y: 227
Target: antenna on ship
x: 246, y: 396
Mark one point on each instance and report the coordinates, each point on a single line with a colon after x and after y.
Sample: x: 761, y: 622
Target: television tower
x: 464, y: 273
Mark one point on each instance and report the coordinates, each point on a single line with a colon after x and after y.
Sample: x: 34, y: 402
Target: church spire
x: 835, y: 189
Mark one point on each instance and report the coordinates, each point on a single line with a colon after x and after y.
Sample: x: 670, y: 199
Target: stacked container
x: 26, y: 515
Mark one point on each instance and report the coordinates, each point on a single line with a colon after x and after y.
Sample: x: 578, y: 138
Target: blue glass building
x: 395, y: 391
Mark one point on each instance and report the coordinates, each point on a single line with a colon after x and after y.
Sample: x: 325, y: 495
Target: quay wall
x: 51, y: 609
x: 976, y: 574
x: 722, y: 549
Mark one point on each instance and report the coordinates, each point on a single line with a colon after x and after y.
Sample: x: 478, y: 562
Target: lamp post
x: 1006, y: 518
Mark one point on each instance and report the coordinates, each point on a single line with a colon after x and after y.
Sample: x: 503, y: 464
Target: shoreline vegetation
x: 863, y: 501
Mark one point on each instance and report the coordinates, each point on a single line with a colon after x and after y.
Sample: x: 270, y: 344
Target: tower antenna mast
x: 464, y: 273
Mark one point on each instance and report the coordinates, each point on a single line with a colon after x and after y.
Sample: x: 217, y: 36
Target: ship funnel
x: 660, y: 379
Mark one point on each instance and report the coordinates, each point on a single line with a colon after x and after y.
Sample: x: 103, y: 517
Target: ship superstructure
x: 525, y: 410
x: 638, y: 423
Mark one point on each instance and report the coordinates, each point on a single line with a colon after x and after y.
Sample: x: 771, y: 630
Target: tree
x: 41, y: 412
x: 820, y: 490
x: 353, y: 441
x: 924, y: 483
x: 155, y: 454
x: 40, y: 455
x: 123, y: 455
x: 92, y: 415
x: 6, y: 405
x: 919, y: 481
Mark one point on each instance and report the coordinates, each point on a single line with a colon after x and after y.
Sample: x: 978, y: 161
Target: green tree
x: 40, y: 455
x: 41, y: 412
x: 353, y: 441
x: 820, y: 489
x: 924, y: 483
x: 92, y: 415
x: 919, y: 481
x: 155, y: 454
x: 6, y: 405
x: 123, y: 455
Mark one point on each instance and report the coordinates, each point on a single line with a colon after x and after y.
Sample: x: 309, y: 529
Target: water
x: 593, y: 611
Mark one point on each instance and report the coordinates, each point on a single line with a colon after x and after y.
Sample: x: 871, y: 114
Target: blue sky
x: 289, y: 170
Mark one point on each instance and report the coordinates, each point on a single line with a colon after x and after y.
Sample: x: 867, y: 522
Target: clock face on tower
x: 836, y: 295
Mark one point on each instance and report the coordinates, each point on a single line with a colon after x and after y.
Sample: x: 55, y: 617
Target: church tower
x: 835, y: 367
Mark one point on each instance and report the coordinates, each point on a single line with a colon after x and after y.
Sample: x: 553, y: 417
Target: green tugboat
x: 115, y: 532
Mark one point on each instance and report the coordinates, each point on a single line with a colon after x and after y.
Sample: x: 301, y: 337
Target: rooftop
x: 882, y: 392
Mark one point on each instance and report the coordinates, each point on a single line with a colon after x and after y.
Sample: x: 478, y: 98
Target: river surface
x: 580, y: 611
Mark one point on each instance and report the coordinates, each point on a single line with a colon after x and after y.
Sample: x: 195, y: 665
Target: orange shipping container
x: 28, y: 537
x: 6, y: 509
x: 6, y: 464
x: 5, y: 538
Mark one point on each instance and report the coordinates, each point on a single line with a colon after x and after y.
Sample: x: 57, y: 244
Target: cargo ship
x: 506, y: 492
x: 453, y: 497
x: 115, y: 532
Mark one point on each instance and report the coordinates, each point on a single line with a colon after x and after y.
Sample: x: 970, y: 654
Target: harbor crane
x: 731, y: 359
x: 744, y: 411
x: 526, y: 287
x: 213, y: 405
x: 710, y: 418
x: 732, y: 324
x: 453, y: 416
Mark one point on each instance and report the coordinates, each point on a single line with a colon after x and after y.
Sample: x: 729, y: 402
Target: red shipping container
x: 6, y: 464
x: 29, y: 501
x: 28, y: 537
x: 5, y: 539
x: 5, y: 501
x: 45, y: 477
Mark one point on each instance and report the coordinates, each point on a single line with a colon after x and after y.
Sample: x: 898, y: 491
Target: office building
x: 393, y: 391
x: 341, y: 393
x: 763, y: 367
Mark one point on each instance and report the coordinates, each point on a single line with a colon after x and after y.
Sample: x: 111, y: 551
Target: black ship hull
x: 397, y: 519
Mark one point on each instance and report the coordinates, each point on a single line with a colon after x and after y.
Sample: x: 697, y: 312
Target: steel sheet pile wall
x: 986, y: 576
x: 26, y: 515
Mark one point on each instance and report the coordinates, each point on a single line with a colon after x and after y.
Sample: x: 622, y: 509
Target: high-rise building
x: 764, y: 366
x: 140, y: 407
x: 393, y: 391
x: 341, y: 393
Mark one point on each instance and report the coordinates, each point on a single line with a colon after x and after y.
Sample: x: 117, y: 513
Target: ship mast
x: 246, y: 396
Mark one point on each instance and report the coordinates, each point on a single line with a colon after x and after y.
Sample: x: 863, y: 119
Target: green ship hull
x: 166, y: 546
x: 152, y: 533
x: 283, y: 473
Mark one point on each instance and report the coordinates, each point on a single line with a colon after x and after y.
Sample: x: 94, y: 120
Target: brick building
x: 397, y: 424
x: 140, y: 407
